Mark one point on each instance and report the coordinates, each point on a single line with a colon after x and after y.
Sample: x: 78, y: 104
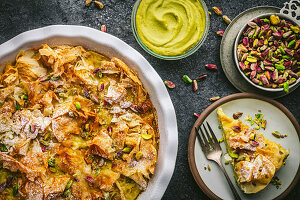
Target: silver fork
x: 212, y: 150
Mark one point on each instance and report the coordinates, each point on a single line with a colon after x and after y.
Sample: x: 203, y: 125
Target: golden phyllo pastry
x: 255, y: 158
x: 74, y: 124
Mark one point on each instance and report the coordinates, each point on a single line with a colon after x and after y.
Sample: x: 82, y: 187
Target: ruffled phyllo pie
x: 74, y: 124
x: 255, y: 158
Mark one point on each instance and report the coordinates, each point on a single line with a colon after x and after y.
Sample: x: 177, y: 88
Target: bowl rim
x: 165, y: 110
x: 187, y: 53
x: 296, y: 84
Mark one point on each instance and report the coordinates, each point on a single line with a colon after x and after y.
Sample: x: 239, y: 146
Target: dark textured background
x: 18, y: 16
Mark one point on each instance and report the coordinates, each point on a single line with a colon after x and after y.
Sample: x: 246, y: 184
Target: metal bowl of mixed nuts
x: 267, y: 52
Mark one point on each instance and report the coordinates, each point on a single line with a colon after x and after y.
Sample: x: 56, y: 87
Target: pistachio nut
x: 214, y: 98
x: 226, y: 19
x: 88, y: 2
x: 217, y: 10
x: 220, y: 33
x: 274, y: 19
x: 195, y: 85
x: 169, y: 84
x: 99, y: 5
x: 103, y: 28
x: 211, y: 67
x: 275, y: 75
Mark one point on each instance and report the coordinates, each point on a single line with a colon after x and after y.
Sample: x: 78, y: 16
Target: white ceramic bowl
x: 111, y: 46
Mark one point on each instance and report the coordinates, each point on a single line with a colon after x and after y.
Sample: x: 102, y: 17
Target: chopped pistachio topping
x: 51, y: 162
x: 98, y: 172
x: 127, y: 149
x: 3, y: 148
x: 233, y: 155
x: 146, y: 136
x: 77, y: 105
x: 69, y: 184
x: 126, y: 118
x: 15, y: 189
x: 138, y: 155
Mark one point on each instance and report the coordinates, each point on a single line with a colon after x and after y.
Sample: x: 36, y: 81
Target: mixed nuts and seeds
x: 269, y: 52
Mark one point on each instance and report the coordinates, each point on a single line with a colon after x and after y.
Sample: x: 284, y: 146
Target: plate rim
x: 160, y: 92
x: 210, y: 109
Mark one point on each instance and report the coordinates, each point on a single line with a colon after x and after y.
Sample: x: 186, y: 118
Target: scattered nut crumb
x: 208, y: 167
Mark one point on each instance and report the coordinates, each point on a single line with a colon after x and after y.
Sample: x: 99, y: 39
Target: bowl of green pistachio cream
x: 170, y: 29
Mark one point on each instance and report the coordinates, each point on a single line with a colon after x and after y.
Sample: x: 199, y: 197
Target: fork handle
x: 235, y: 193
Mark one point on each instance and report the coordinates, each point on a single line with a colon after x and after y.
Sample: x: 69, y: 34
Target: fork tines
x: 207, y: 140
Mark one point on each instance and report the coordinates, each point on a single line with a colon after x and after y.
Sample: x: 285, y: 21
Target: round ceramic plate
x: 111, y: 46
x: 227, y: 55
x: 213, y: 182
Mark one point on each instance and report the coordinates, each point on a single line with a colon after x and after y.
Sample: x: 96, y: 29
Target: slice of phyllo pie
x: 255, y: 158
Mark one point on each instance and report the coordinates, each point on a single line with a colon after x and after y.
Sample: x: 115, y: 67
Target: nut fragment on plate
x: 237, y: 115
x: 269, y: 52
x: 278, y: 134
x: 77, y: 124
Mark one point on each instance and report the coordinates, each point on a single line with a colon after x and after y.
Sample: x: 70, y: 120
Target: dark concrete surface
x: 18, y: 16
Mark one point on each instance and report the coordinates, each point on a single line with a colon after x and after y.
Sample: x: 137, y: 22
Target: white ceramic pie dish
x: 110, y: 46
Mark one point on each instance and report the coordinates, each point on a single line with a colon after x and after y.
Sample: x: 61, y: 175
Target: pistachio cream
x: 170, y: 27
